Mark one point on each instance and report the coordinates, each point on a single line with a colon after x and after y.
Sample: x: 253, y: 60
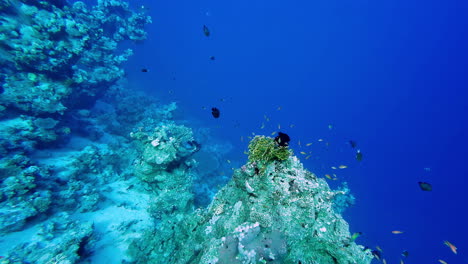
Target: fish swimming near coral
x: 425, y: 186
x: 215, y: 112
x: 206, y: 31
x: 282, y: 139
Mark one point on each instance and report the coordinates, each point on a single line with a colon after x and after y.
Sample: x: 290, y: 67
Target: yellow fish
x: 451, y: 246
x: 303, y: 153
x: 308, y: 144
x: 246, y: 153
x: 343, y: 167
x: 307, y: 157
x: 263, y: 126
x: 378, y: 248
x: 273, y: 133
x: 333, y: 168
x: 443, y: 262
x: 396, y: 232
x: 328, y: 176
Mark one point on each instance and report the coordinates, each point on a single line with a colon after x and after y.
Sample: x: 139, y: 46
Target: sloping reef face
x: 272, y: 211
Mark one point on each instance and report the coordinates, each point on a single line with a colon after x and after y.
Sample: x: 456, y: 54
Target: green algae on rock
x: 265, y: 149
x: 284, y: 215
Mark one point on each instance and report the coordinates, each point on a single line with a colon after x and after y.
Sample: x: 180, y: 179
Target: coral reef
x: 264, y: 149
x: 56, y: 55
x: 283, y: 215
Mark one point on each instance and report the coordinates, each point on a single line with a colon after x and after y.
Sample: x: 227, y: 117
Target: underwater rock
x: 282, y: 214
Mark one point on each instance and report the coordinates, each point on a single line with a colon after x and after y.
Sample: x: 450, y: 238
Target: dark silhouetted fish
x: 425, y: 186
x: 377, y: 254
x: 215, y: 112
x: 212, y: 58
x: 352, y: 143
x: 405, y: 253
x: 358, y: 155
x: 282, y: 139
x: 144, y: 70
x: 206, y: 31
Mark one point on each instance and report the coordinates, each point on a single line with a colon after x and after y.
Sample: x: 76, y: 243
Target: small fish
x: 279, y: 108
x: 299, y: 143
x: 249, y: 137
x: 376, y: 254
x: 206, y: 31
x: 203, y: 107
x: 320, y: 140
x: 212, y: 58
x: 355, y: 236
x: 328, y: 176
x: 342, y: 166
x: 330, y: 127
x: 279, y: 126
x: 379, y: 249
x: 427, y: 169
x: 253, y: 133
x: 215, y: 112
x: 451, y: 246
x: 266, y: 118
x: 242, y: 138
x: 246, y: 152
x: 273, y: 133
x: 144, y: 70
x: 228, y: 161
x: 307, y: 157
x: 303, y: 153
x: 333, y: 167
x: 263, y: 126
x: 384, y: 261
x: 308, y: 144
x: 443, y: 262
x: 401, y: 261
x: 396, y: 232
x: 352, y: 143
x: 291, y: 125
x: 425, y: 186
x: 405, y: 253
x: 358, y: 155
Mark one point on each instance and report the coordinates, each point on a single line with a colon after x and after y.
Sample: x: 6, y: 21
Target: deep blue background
x: 391, y: 75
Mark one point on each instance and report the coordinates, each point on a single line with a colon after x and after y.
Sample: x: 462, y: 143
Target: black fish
x: 144, y: 70
x: 282, y: 139
x: 215, y: 112
x: 206, y: 31
x: 358, y: 155
x: 405, y: 253
x: 352, y: 143
x: 425, y: 186
x: 212, y: 58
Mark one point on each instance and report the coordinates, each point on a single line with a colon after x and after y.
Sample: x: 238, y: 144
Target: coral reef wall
x: 272, y: 211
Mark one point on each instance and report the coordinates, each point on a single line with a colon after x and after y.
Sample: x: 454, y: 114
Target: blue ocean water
x: 390, y: 75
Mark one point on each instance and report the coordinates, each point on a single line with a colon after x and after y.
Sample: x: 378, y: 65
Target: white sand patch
x: 123, y: 217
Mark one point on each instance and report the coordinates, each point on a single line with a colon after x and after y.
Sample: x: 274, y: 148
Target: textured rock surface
x: 279, y: 213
